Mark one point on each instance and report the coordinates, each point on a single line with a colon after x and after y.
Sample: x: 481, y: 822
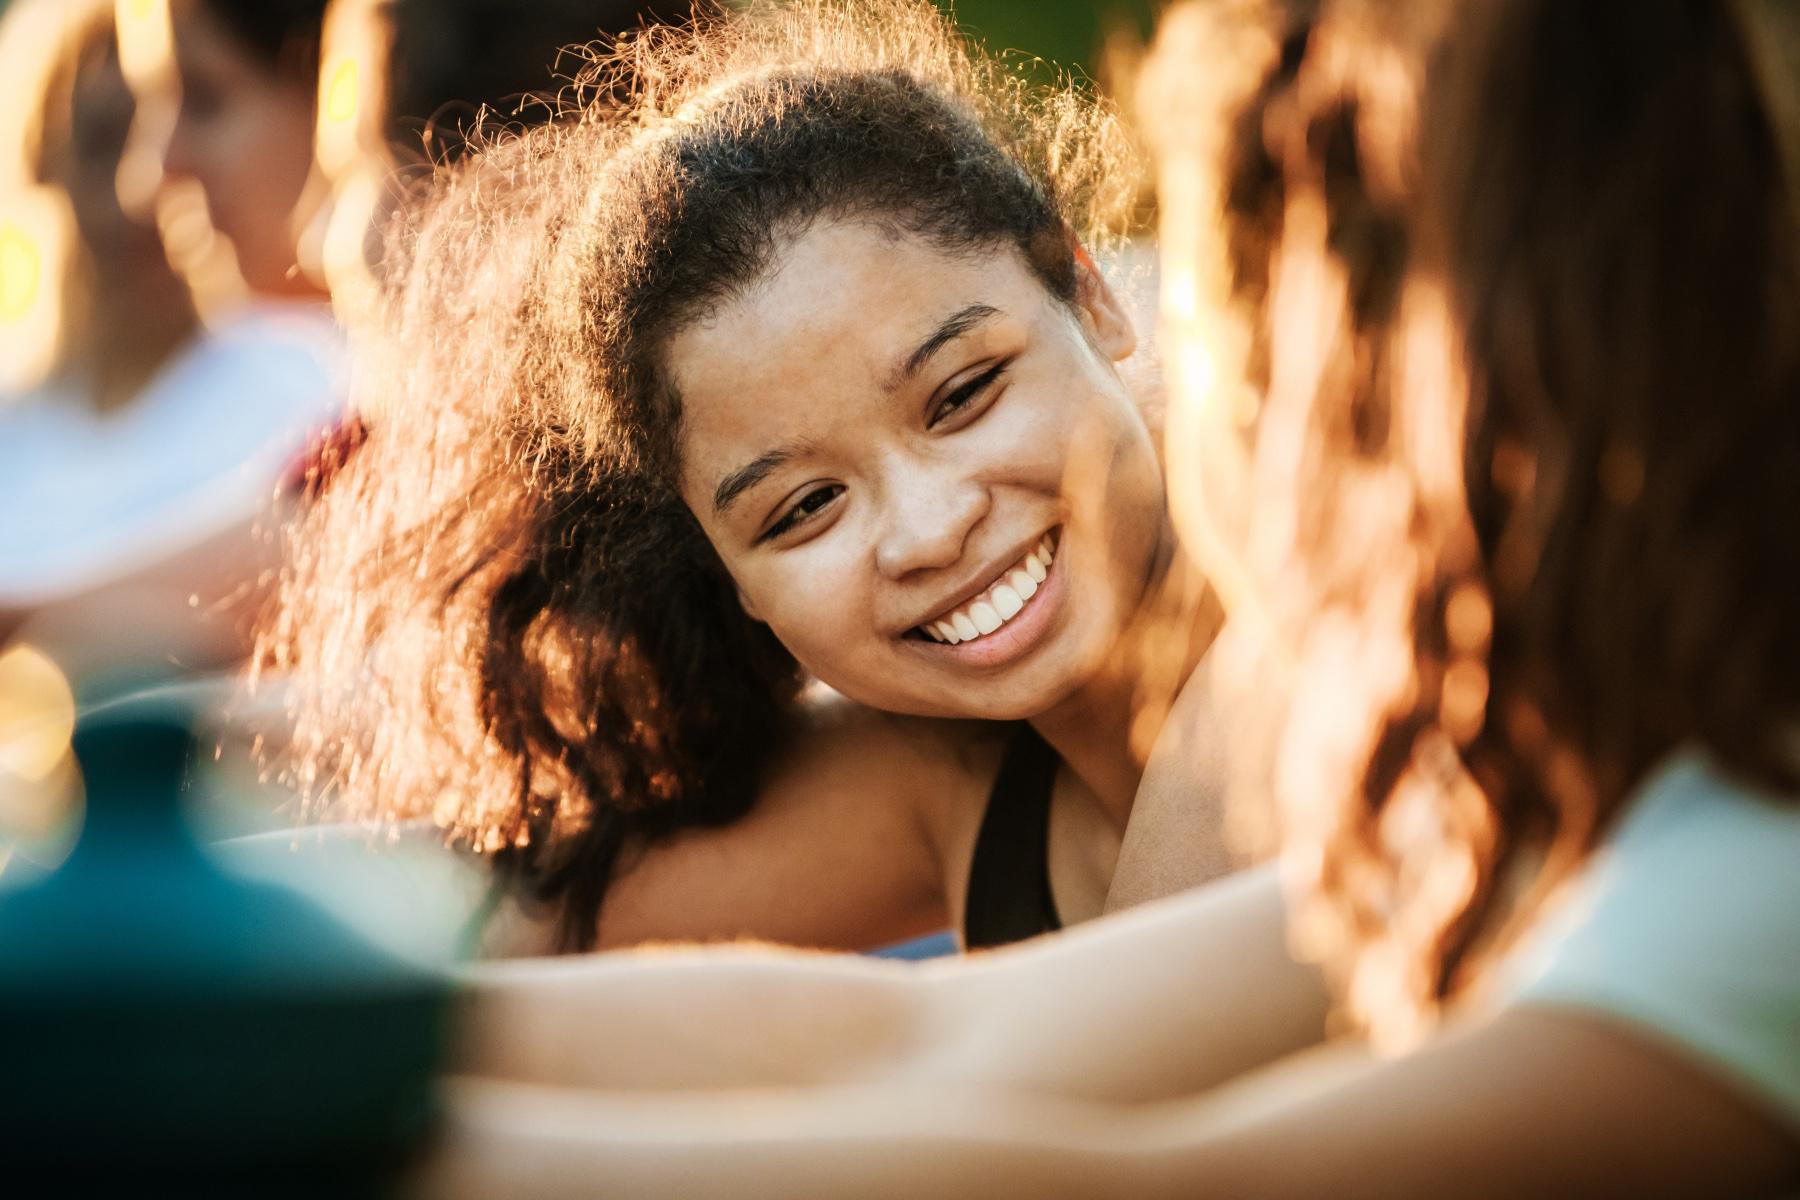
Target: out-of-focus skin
x: 1073, y: 1066
x: 1321, y: 1124
x: 626, y: 1024
x: 348, y: 195
x: 244, y: 133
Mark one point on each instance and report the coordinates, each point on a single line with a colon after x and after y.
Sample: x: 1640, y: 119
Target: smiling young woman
x: 789, y: 370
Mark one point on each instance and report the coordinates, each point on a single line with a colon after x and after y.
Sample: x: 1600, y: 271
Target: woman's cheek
x: 815, y: 608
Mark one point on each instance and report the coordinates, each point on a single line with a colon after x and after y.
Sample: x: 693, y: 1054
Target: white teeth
x: 1004, y: 600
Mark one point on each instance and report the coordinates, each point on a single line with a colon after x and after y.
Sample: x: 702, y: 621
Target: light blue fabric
x: 1686, y: 923
x: 403, y: 889
x: 932, y: 945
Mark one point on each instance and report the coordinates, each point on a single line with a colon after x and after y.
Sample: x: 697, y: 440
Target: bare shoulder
x: 1177, y: 837
x: 847, y: 845
x: 936, y: 771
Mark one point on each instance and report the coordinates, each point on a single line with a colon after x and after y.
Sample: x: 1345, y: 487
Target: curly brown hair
x: 501, y: 613
x: 1523, y: 280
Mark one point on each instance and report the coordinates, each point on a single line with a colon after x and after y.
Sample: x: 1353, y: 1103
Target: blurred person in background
x: 228, y: 89
x: 131, y: 477
x: 404, y: 85
x: 1524, y: 324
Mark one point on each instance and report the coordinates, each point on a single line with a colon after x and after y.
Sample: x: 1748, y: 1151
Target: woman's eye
x: 809, y: 504
x: 965, y: 395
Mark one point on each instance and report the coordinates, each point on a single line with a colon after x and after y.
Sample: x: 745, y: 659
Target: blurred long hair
x: 1523, y: 282
x: 501, y: 614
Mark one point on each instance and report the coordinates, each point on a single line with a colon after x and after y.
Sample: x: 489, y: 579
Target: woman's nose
x: 928, y: 522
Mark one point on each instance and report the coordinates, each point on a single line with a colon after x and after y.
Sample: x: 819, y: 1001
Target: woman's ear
x: 1102, y: 315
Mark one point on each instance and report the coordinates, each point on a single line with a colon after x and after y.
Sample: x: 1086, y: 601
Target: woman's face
x: 243, y: 131
x: 923, y: 470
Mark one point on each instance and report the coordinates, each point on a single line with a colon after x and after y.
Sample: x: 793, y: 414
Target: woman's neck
x: 1100, y: 731
x: 1091, y: 733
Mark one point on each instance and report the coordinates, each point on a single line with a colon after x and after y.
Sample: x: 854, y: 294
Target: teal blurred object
x: 165, y: 1026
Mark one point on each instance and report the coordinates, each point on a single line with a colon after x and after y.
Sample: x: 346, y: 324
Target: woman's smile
x: 1003, y: 621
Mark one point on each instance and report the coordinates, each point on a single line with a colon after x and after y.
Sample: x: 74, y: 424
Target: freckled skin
x: 914, y: 512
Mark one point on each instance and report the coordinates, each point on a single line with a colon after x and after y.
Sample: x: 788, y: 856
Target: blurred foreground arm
x: 1535, y: 1102
x: 1164, y: 1000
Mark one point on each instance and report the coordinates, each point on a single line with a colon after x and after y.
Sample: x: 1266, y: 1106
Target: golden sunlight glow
x: 352, y: 99
x: 350, y: 158
x: 21, y: 271
x: 339, y: 103
x: 353, y: 206
x: 1206, y: 340
x: 36, y: 227
x: 146, y: 38
x: 37, y: 713
x: 37, y: 719
x: 36, y: 232
x: 147, y: 59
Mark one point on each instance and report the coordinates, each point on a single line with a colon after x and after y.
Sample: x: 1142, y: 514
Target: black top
x: 1009, y: 896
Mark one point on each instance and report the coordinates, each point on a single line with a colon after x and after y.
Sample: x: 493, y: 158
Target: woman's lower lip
x: 1013, y: 639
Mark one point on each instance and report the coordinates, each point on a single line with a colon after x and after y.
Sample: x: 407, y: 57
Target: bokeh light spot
x: 341, y: 93
x: 21, y: 272
x: 37, y: 714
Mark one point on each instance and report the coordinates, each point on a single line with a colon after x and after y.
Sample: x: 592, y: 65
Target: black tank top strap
x: 1009, y: 897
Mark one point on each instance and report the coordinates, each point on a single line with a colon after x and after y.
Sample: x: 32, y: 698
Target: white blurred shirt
x: 1685, y: 925
x: 88, y: 497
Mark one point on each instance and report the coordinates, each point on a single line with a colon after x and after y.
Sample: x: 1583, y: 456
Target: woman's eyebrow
x: 948, y: 330
x: 751, y: 474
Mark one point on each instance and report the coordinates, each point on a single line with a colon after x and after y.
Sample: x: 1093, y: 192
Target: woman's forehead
x: 841, y: 296
x: 844, y: 306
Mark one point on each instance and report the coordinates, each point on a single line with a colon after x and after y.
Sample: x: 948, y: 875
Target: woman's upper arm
x: 1537, y: 1102
x: 841, y: 850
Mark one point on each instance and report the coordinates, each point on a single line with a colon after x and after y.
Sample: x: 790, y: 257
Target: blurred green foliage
x: 1066, y: 33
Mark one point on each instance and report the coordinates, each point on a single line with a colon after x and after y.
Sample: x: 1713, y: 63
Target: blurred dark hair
x: 1606, y: 188
x: 1548, y: 450
x: 502, y: 612
x: 449, y: 58
x: 85, y: 40
x: 284, y: 34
